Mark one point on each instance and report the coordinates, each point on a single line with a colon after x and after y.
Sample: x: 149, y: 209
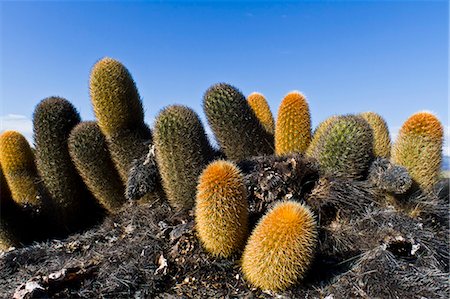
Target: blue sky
x: 346, y: 57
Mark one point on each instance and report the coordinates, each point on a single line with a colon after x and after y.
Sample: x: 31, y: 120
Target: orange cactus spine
x: 281, y: 247
x: 419, y: 148
x: 293, y: 128
x: 261, y: 108
x: 221, y: 213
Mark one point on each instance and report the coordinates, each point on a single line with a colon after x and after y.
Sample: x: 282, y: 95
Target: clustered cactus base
x: 161, y: 252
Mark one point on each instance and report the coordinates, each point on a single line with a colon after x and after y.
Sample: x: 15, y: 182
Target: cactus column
x: 119, y: 112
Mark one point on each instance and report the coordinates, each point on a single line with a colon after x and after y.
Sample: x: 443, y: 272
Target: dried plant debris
x: 366, y: 250
x: 388, y: 177
x: 272, y: 178
x: 143, y: 176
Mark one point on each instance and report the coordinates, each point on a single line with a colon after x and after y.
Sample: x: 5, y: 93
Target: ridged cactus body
x: 236, y: 127
x: 19, y: 169
x: 262, y: 111
x: 221, y: 212
x: 382, y: 141
x: 53, y: 120
x: 345, y: 149
x: 293, y: 128
x: 419, y: 148
x: 182, y: 151
x: 281, y: 247
x: 118, y: 109
x: 89, y: 152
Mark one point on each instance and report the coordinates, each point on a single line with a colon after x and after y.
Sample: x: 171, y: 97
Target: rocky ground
x: 148, y: 251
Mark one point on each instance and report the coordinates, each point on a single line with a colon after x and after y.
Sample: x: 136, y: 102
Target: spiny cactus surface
x: 182, y: 151
x: 281, y: 247
x: 118, y: 109
x: 235, y: 125
x: 293, y: 128
x: 89, y: 151
x: 221, y: 212
x: 419, y: 148
x: 19, y: 169
x: 345, y: 149
x: 53, y: 120
x: 259, y: 104
x: 382, y: 140
x: 317, y: 135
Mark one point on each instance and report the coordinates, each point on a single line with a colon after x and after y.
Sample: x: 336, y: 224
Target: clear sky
x: 346, y: 57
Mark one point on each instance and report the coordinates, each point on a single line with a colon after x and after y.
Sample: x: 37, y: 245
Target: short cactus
x: 221, y: 212
x: 182, y: 151
x: 262, y: 111
x: 345, y: 149
x: 293, y: 128
x: 236, y: 127
x: 317, y: 135
x: 89, y: 152
x: 119, y: 112
x: 53, y: 120
x: 419, y: 148
x: 19, y: 169
x: 281, y: 247
x: 382, y: 141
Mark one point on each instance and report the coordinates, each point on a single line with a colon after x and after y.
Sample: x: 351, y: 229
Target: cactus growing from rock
x: 382, y: 141
x: 118, y: 109
x: 19, y: 169
x: 53, y: 120
x: 236, y: 127
x: 89, y: 152
x: 262, y: 111
x: 221, y: 212
x: 345, y: 149
x: 293, y: 128
x: 419, y: 148
x: 281, y: 247
x: 182, y: 151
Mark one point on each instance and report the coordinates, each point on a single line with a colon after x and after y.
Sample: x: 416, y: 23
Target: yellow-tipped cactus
x: 382, y: 141
x: 419, y: 148
x: 221, y: 213
x: 261, y: 108
x: 119, y: 112
x: 293, y: 128
x: 281, y: 247
x: 20, y: 171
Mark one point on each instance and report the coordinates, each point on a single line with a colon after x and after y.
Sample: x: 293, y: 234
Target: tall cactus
x: 53, y: 120
x: 235, y: 125
x: 89, y: 152
x: 262, y: 111
x: 281, y: 247
x: 182, y: 151
x: 382, y: 141
x: 293, y: 128
x: 221, y: 212
x: 419, y: 148
x: 118, y: 109
x: 345, y: 149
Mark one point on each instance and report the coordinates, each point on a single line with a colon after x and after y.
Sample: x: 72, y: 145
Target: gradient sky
x: 346, y: 57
